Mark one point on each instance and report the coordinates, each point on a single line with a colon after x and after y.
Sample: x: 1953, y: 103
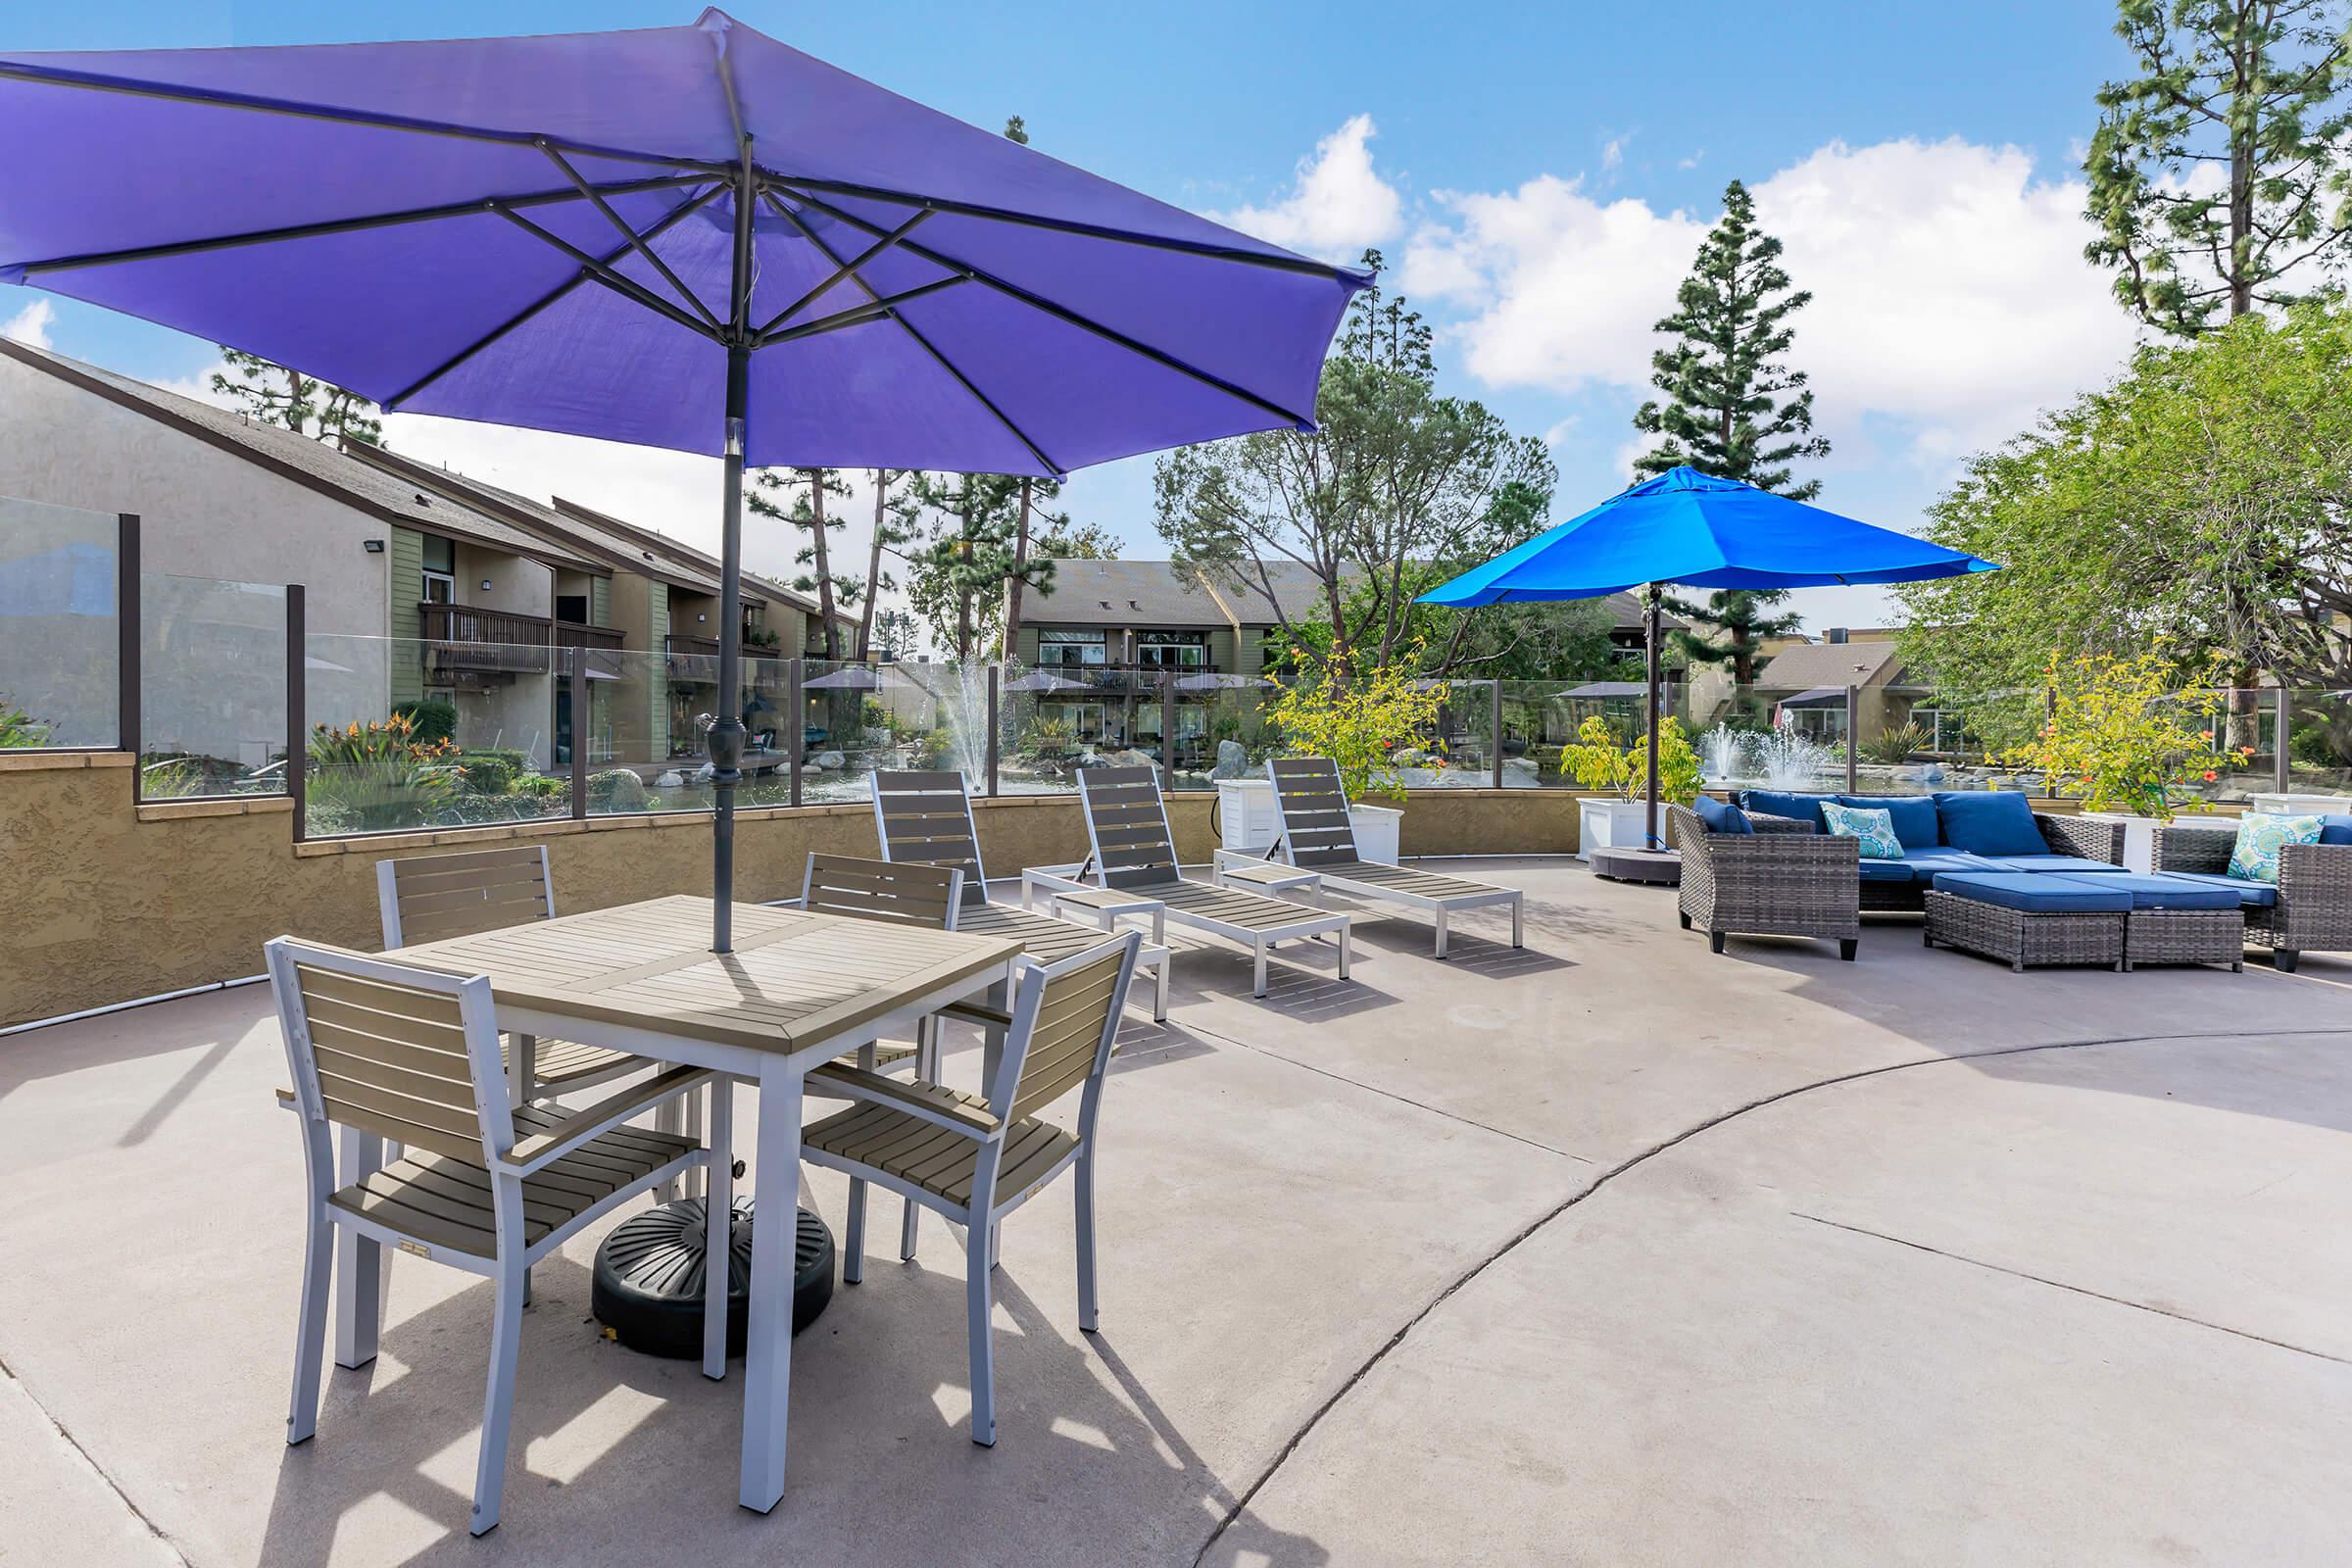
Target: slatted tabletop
x: 796, y: 979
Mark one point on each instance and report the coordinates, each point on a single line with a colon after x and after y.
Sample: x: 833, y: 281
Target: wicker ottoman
x: 2178, y: 921
x: 2028, y: 919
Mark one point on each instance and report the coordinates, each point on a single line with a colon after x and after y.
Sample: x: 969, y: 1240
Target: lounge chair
x: 926, y: 817
x: 1133, y: 862
x: 977, y: 1158
x: 489, y: 1184
x: 1315, y: 835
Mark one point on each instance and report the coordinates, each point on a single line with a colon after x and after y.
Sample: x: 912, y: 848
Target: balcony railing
x: 694, y: 662
x: 471, y: 638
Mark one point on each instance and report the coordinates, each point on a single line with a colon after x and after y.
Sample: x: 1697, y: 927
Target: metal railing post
x: 2049, y: 715
x: 2281, y: 773
x: 1495, y: 757
x: 996, y: 674
x: 1167, y: 729
x: 578, y: 676
x: 1854, y: 740
x: 796, y: 723
x: 297, y: 703
x: 126, y: 640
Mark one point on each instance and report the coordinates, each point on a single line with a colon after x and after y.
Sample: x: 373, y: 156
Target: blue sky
x: 1539, y: 174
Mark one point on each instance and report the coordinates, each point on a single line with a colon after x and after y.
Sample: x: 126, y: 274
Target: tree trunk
x: 1013, y: 584
x: 874, y: 569
x: 2242, y: 181
x: 824, y: 566
x: 963, y: 596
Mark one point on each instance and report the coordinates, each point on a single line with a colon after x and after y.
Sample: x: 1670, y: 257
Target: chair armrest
x: 2315, y: 874
x: 531, y: 1153
x: 974, y: 1012
x: 2071, y: 835
x: 1766, y: 822
x: 2194, y: 848
x: 856, y: 1083
x: 786, y: 904
x: 1267, y: 874
x: 286, y: 1100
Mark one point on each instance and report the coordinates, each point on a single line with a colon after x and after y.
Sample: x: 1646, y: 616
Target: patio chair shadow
x: 880, y: 1387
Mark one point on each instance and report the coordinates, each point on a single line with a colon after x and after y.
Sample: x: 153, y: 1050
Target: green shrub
x: 431, y: 722
x: 1896, y: 745
x: 490, y: 772
x: 379, y: 776
x: 542, y: 786
x: 18, y: 729
x: 2312, y: 745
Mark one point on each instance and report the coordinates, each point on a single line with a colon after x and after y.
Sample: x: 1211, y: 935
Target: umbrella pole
x: 726, y: 734
x: 1650, y: 794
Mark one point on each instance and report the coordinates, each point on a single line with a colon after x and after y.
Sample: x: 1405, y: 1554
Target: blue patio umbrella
x: 1688, y: 527
x: 690, y: 237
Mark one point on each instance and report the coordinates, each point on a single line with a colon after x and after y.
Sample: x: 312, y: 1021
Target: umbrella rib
x: 839, y: 272
x: 95, y: 82
x: 1062, y: 313
x: 630, y: 234
x: 618, y: 282
x: 667, y: 220
x: 1280, y: 261
x: 346, y: 226
x: 923, y: 342
x: 874, y: 309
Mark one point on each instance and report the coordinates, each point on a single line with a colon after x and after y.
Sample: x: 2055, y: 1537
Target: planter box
x: 2299, y: 805
x: 1612, y: 824
x: 2139, y: 833
x: 1247, y: 823
x: 1376, y: 830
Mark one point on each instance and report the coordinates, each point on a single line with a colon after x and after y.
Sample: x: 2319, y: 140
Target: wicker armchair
x: 1783, y: 880
x: 2314, y: 912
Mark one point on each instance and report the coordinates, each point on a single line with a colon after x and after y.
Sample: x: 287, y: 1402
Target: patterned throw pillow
x: 1875, y: 828
x: 2260, y: 838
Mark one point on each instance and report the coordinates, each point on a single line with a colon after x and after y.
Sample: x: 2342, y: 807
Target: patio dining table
x: 799, y: 989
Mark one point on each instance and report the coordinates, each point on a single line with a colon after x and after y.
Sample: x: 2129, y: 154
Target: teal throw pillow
x: 1875, y: 828
x: 2260, y: 838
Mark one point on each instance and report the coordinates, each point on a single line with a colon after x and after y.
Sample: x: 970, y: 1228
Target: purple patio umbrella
x: 686, y: 237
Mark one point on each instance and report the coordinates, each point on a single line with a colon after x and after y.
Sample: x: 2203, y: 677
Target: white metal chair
x: 1133, y: 863
x: 926, y: 817
x: 488, y: 1184
x: 977, y: 1158
x: 429, y: 897
x: 1316, y: 837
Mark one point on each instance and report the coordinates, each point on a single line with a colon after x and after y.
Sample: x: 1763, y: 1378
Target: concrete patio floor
x: 1605, y: 1252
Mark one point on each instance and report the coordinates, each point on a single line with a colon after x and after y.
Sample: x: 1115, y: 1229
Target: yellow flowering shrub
x: 2123, y: 733
x: 1361, y: 723
x: 1594, y: 763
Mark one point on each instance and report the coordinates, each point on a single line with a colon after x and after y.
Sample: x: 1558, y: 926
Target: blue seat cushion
x: 2250, y: 894
x: 2161, y: 892
x: 1903, y: 871
x: 2061, y: 865
x: 2335, y: 829
x: 1721, y: 819
x: 1926, y: 863
x: 1914, y: 816
x: 1805, y: 808
x: 1991, y: 823
x: 2035, y: 894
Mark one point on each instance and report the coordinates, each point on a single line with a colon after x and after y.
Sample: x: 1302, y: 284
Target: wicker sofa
x: 1788, y: 878
x: 2309, y: 911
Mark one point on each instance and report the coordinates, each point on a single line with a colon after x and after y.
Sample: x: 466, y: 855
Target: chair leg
x: 1159, y: 1001
x: 1845, y: 949
x: 310, y: 1329
x: 698, y: 1182
x: 1715, y: 940
x: 1684, y: 915
x: 718, y: 1227
x: 1441, y: 933
x: 2284, y: 960
x: 979, y: 1304
x: 852, y: 1240
x: 498, y: 1404
x: 1086, y: 1240
x: 1346, y: 938
x: 359, y: 1259
x: 1260, y: 982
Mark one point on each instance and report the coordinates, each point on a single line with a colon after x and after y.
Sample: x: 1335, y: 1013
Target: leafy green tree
x: 969, y: 526
x: 2199, y: 504
x: 268, y: 393
x: 1398, y: 479
x: 2221, y: 167
x: 797, y: 496
x: 1733, y: 408
x: 895, y: 634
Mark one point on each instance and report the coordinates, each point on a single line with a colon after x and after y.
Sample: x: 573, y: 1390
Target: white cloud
x: 1949, y: 286
x: 30, y: 325
x: 1612, y: 154
x: 1337, y: 205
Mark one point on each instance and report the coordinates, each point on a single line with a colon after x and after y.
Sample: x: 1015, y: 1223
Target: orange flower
x: 2211, y: 776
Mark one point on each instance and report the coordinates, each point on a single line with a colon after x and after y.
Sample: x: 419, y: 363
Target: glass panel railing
x: 2318, y: 744
x: 1224, y: 728
x: 921, y: 714
x: 212, y: 688
x: 58, y: 649
x: 1041, y: 714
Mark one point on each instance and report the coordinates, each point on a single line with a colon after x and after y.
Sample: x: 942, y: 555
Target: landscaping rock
x: 831, y: 762
x: 1232, y: 760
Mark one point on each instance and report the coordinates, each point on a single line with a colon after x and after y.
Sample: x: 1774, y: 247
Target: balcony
x: 694, y: 662
x: 466, y: 640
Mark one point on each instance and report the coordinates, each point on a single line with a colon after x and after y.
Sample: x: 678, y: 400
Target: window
x: 1172, y: 650
x: 1067, y: 646
x: 440, y: 571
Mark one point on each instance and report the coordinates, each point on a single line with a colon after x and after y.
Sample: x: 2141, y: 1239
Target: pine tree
x: 269, y: 393
x: 807, y: 489
x: 888, y: 536
x: 958, y: 576
x: 2252, y: 91
x: 1732, y: 408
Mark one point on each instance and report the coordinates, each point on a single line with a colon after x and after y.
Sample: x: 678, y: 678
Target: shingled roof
x: 1154, y: 593
x: 1815, y: 664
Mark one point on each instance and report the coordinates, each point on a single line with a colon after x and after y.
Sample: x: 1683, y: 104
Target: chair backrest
x: 905, y: 894
x: 392, y: 1050
x: 1127, y: 825
x: 1313, y: 810
x: 428, y: 896
x: 926, y: 818
x: 1064, y: 1017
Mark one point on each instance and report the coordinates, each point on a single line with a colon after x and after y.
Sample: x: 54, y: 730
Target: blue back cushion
x: 1993, y: 822
x: 2336, y: 829
x: 1914, y: 816
x: 1805, y: 808
x: 1721, y: 819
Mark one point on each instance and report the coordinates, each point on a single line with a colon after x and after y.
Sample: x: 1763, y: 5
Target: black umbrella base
x: 1659, y: 867
x: 648, y: 1284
